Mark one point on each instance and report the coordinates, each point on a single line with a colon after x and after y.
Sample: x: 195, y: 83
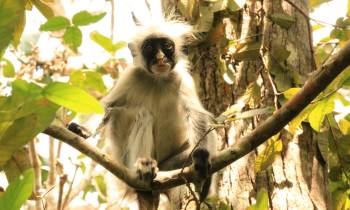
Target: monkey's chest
x: 163, y: 130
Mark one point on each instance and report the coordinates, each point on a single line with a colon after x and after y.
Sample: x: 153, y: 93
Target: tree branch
x: 164, y: 180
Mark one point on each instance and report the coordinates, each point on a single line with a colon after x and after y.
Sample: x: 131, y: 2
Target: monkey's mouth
x: 161, y: 68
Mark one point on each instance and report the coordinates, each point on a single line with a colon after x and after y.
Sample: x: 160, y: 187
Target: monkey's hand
x: 146, y: 169
x: 201, y: 164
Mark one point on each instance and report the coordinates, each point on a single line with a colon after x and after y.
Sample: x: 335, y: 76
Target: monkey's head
x: 158, y: 48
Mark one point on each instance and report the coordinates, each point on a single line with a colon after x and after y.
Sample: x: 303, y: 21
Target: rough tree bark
x: 297, y: 179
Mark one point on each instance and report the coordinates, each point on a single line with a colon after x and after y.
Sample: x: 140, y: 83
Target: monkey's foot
x: 201, y: 163
x: 146, y: 169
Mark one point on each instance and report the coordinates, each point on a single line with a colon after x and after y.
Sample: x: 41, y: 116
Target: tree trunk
x: 297, y: 178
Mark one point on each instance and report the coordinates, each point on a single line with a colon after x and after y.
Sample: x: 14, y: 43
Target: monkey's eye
x: 168, y: 46
x: 148, y: 48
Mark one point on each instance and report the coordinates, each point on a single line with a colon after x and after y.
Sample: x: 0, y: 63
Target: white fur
x: 151, y: 115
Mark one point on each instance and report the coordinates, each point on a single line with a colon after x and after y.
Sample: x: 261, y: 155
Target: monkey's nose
x: 160, y: 55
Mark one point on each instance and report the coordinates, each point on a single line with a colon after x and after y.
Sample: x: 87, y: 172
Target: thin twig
x: 63, y: 179
x: 194, y: 196
x: 52, y: 163
x: 83, y: 183
x: 66, y: 198
x: 37, y: 173
x: 112, y: 19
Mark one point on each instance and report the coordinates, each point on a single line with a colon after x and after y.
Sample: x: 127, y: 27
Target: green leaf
x: 11, y: 12
x: 72, y: 98
x: 103, y: 41
x: 339, y: 199
x: 106, y: 42
x: 43, y: 8
x: 283, y: 20
x: 338, y: 34
x: 250, y: 51
x: 232, y: 5
x: 316, y: 3
x: 84, y: 18
x: 73, y: 38
x: 262, y: 201
x: 18, y: 191
x: 101, y: 185
x: 8, y: 70
x: 25, y: 126
x: 55, y: 24
x: 252, y: 95
x: 19, y: 29
x: 344, y: 126
x: 90, y: 81
x: 317, y: 27
x: 119, y: 45
x: 288, y: 94
x: 317, y: 115
x: 295, y: 123
x: 267, y: 156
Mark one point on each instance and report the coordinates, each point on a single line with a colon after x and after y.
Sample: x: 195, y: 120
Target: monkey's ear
x: 132, y: 49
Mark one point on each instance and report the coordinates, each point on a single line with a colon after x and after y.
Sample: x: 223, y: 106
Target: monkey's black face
x: 159, y: 55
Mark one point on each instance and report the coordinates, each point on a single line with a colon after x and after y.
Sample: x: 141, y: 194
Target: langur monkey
x: 154, y: 117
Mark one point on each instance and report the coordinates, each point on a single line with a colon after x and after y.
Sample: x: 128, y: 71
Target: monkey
x: 154, y: 117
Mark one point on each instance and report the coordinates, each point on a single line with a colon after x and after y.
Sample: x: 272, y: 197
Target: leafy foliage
x: 72, y: 98
x: 107, y: 43
x: 23, y: 115
x: 8, y: 70
x: 84, y: 18
x: 18, y: 191
x: 72, y: 35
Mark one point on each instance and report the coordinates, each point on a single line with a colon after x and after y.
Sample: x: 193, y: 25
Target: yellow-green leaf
x: 317, y: 27
x: 103, y: 41
x: 250, y: 51
x: 288, y: 94
x: 18, y: 191
x: 317, y: 115
x: 268, y: 155
x: 344, y: 126
x: 84, y: 18
x: 295, y: 123
x: 72, y: 98
x: 8, y: 70
x: 252, y: 95
x: 11, y: 12
x: 315, y: 3
x: 90, y: 81
x: 55, y: 24
x: 262, y: 201
x: 24, y: 125
x: 19, y: 29
x: 73, y: 38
